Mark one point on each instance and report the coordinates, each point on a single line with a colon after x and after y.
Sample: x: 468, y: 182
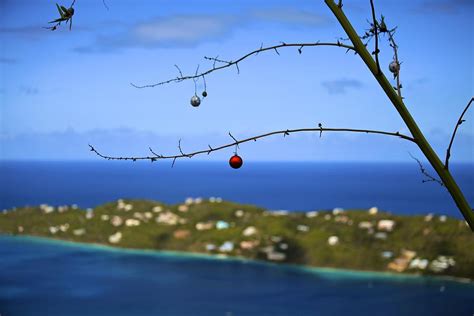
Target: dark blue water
x: 293, y: 186
x: 40, y: 277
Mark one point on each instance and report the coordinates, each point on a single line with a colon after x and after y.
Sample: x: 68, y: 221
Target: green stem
x: 420, y: 139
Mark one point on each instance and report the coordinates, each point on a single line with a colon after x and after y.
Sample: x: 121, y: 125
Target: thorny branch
x: 155, y: 156
x: 376, y: 35
x: 377, y: 28
x: 394, y: 45
x: 459, y: 122
x: 429, y: 178
x: 226, y: 64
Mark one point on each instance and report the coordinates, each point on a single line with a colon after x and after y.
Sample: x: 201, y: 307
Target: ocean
x: 393, y: 187
x: 54, y: 278
x: 51, y: 278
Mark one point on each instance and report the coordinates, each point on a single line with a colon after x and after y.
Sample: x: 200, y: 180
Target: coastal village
x: 354, y: 239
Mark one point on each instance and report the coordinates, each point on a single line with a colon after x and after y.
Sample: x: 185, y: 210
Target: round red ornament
x: 236, y: 161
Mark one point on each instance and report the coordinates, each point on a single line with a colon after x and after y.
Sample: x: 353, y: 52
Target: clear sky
x: 61, y: 90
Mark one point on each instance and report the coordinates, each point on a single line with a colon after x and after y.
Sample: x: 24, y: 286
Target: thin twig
x: 375, y: 28
x: 460, y: 121
x: 429, y: 178
x: 230, y: 63
x: 253, y: 138
x: 394, y: 45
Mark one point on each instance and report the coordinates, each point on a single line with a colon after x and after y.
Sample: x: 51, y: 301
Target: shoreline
x: 359, y: 274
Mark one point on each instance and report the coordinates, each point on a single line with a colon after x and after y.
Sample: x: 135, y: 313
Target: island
x: 367, y: 240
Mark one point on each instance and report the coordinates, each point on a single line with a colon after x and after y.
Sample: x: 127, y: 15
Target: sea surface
x: 394, y: 187
x: 51, y: 278
x: 45, y: 277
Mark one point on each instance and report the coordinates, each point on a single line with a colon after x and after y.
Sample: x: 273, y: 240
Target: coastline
x: 321, y: 271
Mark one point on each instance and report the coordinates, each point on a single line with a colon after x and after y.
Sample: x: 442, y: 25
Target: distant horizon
x: 187, y: 161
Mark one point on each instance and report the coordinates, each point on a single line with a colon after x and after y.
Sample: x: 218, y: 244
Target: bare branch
x: 236, y: 142
x: 376, y: 34
x: 226, y: 64
x: 429, y: 178
x: 394, y: 45
x: 460, y: 121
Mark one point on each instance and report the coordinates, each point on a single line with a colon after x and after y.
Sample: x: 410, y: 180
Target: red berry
x: 235, y: 161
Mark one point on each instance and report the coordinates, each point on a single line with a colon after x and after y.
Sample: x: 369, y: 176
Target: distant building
x: 278, y: 212
x: 337, y: 211
x: 132, y: 222
x: 373, y: 210
x: 333, y: 240
x: 210, y: 247
x: 79, y: 232
x: 222, y: 225
x: 167, y: 218
x: 249, y: 244
x: 249, y: 231
x: 181, y: 234
x: 400, y: 263
x: 302, y: 228
x: 116, y: 221
x: 386, y: 225
x: 386, y: 254
x: 183, y: 208
x: 341, y: 219
x: 204, y: 225
x: 381, y: 235
x: 115, y: 238
x: 227, y: 246
x: 157, y: 209
x: 365, y: 225
x: 418, y: 263
x: 276, y: 256
x: 442, y: 263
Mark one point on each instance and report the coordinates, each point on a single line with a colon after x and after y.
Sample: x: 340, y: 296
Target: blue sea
x: 45, y: 277
x: 42, y: 277
x: 393, y: 187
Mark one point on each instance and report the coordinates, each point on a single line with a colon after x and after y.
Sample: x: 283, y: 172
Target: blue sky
x: 61, y: 90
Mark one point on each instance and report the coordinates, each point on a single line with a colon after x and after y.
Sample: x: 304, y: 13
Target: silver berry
x: 195, y: 101
x: 394, y: 67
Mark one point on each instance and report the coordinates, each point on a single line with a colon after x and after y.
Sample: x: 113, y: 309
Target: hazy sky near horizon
x: 61, y: 90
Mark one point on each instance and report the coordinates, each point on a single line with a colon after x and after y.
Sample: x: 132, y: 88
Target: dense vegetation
x: 295, y: 237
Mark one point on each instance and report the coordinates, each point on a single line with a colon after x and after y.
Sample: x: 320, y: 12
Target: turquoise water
x: 44, y: 277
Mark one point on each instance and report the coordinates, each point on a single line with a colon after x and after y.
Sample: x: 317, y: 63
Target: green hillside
x: 352, y: 239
